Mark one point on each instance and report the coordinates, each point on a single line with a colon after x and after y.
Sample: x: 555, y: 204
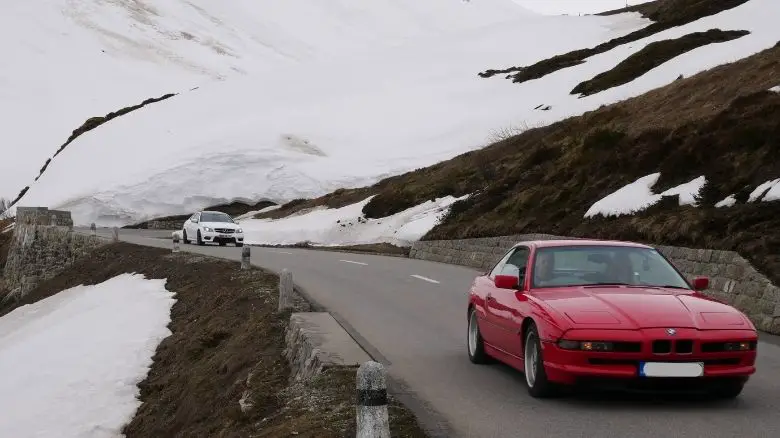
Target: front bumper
x: 222, y: 237
x: 572, y: 366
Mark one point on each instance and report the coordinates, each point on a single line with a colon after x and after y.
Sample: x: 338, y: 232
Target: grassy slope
x: 722, y: 123
x: 651, y: 56
x: 665, y: 14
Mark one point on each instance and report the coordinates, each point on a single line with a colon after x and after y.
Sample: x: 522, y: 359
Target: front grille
x: 683, y: 346
x: 223, y: 230
x: 662, y: 347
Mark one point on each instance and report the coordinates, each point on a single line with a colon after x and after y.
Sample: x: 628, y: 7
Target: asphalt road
x: 413, y: 315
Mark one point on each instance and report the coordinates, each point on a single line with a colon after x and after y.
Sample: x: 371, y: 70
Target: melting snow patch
x: 727, y: 202
x: 756, y: 194
x: 70, y: 363
x: 639, y: 195
x: 775, y: 89
x: 774, y: 193
x: 347, y: 226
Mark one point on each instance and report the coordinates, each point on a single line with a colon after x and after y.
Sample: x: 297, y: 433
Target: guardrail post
x: 285, y: 290
x: 372, y: 418
x: 245, y: 257
x: 175, y: 243
x: 115, y: 234
x: 93, y: 228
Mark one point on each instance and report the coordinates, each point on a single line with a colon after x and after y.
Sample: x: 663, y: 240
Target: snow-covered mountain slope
x: 65, y: 61
x: 348, y: 119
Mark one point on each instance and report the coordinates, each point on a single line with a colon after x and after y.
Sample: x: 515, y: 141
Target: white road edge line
x: 357, y: 263
x: 282, y: 252
x: 429, y: 280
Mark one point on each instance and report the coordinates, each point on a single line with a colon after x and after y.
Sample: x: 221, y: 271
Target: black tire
x: 728, y: 389
x: 540, y: 387
x: 477, y: 354
x: 184, y: 237
x: 200, y: 240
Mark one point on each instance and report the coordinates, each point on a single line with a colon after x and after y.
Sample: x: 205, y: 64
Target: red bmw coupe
x: 567, y: 312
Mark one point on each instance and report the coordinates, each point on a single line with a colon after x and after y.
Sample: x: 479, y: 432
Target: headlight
x: 239, y: 231
x: 585, y: 345
x: 207, y: 229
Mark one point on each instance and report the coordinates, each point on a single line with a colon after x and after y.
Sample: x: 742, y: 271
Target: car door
x: 503, y: 310
x: 484, y: 289
x: 193, y: 231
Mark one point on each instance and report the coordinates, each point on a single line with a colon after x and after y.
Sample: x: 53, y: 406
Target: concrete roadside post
x: 285, y: 290
x: 93, y: 228
x: 175, y: 242
x: 372, y: 419
x: 245, y: 257
x: 53, y: 219
x: 115, y: 234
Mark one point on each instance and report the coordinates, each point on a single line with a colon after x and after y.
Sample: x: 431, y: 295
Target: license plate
x: 671, y: 369
x: 225, y: 235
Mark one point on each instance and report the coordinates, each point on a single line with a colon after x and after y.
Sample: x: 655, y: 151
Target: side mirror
x: 701, y: 283
x: 507, y: 281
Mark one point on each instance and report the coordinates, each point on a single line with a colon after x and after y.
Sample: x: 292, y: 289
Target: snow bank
x: 69, y: 364
x: 772, y: 195
x: 639, y: 195
x: 347, y: 226
x: 775, y: 89
x: 728, y: 201
x: 361, y: 114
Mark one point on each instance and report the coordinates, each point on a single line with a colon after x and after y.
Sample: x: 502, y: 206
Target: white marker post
x: 373, y: 420
x: 245, y: 257
x: 285, y: 290
x: 175, y: 242
x: 115, y: 234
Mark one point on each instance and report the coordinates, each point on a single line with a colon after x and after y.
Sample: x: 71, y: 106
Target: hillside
x: 381, y: 90
x: 722, y: 124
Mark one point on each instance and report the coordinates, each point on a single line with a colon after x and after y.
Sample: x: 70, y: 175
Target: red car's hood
x: 638, y: 308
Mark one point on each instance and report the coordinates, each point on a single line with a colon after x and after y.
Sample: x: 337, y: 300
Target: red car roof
x: 580, y: 242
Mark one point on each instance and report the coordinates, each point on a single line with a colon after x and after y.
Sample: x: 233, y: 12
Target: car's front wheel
x: 475, y: 344
x: 184, y: 237
x: 200, y: 239
x: 535, y: 375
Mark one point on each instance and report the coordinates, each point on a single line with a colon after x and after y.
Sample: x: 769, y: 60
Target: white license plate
x: 225, y: 235
x: 671, y: 369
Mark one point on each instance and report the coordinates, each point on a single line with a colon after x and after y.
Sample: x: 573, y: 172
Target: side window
x: 497, y: 269
x: 513, y: 263
x: 516, y: 265
x: 196, y: 218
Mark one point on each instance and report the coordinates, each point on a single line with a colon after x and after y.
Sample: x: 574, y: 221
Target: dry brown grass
x: 651, y: 56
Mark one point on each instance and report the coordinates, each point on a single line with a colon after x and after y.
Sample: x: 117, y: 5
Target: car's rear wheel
x: 475, y: 344
x: 535, y: 375
x: 239, y: 244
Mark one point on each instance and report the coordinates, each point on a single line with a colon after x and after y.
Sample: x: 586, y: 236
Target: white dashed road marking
x: 429, y: 280
x: 357, y: 263
x: 282, y: 252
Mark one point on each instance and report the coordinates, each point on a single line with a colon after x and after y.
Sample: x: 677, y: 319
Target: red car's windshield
x: 590, y: 265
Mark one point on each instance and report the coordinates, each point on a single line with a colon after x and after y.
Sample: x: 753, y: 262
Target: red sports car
x: 589, y: 311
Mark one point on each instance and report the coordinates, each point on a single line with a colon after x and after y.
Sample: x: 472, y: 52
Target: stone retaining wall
x: 39, y: 252
x: 43, y: 216
x: 315, y: 341
x: 732, y: 278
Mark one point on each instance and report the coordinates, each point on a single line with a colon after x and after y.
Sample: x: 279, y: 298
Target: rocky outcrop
x: 39, y: 252
x: 316, y: 341
x: 732, y: 278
